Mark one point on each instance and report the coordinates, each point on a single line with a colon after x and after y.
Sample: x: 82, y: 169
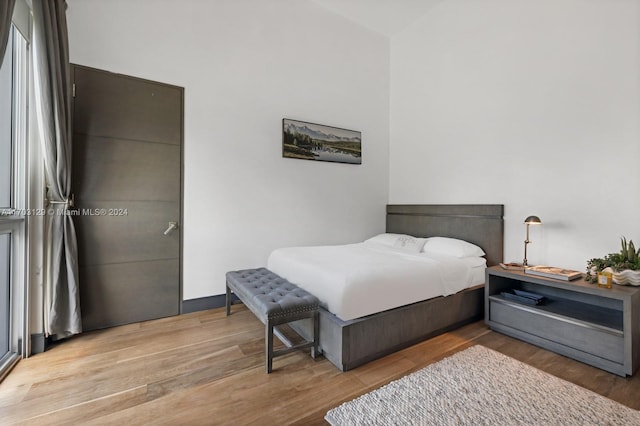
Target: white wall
x: 531, y: 104
x: 244, y: 66
x: 534, y: 105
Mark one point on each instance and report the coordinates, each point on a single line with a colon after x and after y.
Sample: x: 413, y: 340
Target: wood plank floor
x: 206, y: 368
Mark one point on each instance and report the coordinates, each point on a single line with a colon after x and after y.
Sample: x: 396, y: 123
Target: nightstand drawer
x: 593, y: 339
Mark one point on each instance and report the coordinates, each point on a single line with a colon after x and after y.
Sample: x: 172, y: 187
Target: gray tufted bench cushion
x: 274, y: 301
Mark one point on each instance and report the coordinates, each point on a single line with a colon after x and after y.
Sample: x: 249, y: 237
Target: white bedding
x: 356, y: 280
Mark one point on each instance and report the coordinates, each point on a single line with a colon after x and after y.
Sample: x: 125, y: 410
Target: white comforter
x: 356, y: 280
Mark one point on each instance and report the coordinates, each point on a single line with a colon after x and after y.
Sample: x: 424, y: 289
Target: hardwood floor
x: 206, y: 368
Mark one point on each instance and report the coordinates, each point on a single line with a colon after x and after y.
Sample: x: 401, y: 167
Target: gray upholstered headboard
x: 480, y: 224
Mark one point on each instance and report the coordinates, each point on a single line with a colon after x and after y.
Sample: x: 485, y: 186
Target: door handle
x: 171, y: 228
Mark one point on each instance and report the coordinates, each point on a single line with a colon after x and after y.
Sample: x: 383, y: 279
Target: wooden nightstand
x: 598, y: 326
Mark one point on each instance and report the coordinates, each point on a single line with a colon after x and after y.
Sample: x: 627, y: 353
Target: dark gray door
x: 127, y: 181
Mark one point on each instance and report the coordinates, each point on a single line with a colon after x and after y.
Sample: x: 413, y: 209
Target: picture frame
x: 318, y: 142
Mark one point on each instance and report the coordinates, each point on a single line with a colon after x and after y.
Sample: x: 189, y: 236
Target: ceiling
x: 387, y: 17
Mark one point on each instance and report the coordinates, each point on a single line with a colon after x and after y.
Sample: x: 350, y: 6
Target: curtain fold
x: 6, y: 12
x: 53, y: 113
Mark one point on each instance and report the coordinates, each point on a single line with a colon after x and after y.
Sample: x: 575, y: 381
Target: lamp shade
x: 533, y: 220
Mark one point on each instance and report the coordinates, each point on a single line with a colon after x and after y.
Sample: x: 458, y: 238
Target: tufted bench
x: 274, y: 301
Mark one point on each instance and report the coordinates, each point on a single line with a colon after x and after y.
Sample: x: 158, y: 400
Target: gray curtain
x: 53, y: 110
x: 6, y: 12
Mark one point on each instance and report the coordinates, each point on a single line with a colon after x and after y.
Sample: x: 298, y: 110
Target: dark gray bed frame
x: 348, y: 344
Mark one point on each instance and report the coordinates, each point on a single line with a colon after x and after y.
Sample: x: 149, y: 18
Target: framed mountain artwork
x: 310, y: 141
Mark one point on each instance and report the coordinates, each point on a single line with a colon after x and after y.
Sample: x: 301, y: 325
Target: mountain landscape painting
x: 309, y: 141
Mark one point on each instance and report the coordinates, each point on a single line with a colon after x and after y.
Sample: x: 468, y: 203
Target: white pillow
x: 409, y: 243
x: 384, y: 239
x: 452, y: 247
x: 401, y: 241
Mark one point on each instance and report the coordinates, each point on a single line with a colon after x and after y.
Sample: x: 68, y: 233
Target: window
x: 13, y: 124
x: 11, y: 294
x: 5, y: 280
x: 6, y: 117
x: 14, y: 78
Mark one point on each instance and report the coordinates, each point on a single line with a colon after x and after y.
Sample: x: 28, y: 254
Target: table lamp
x: 531, y: 220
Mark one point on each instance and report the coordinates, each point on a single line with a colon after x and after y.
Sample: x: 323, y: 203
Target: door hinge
x: 73, y: 90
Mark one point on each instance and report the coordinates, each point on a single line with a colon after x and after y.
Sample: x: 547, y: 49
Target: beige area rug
x: 479, y: 386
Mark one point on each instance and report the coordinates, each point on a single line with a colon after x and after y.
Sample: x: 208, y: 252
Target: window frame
x: 16, y: 229
x: 14, y: 219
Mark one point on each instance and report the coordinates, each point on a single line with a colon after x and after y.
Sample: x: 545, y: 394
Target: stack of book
x: 553, y: 272
x: 525, y: 297
x: 512, y: 266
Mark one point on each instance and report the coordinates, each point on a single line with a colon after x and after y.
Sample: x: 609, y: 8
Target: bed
x: 355, y: 341
x: 354, y: 280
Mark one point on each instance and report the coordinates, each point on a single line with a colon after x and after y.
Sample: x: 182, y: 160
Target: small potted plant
x: 624, y: 266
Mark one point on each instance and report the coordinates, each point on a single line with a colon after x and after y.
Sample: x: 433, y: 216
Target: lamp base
x: 512, y: 266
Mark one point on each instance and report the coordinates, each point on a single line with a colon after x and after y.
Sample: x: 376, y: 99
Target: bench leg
x: 269, y: 346
x: 316, y: 334
x: 228, y: 300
